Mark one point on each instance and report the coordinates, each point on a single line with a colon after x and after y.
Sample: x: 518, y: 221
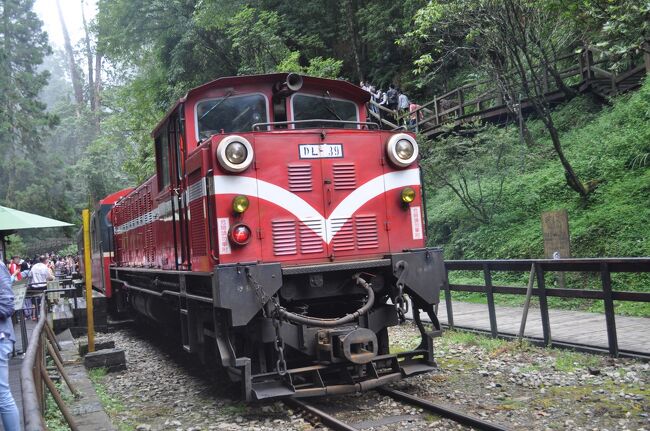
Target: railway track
x: 317, y: 416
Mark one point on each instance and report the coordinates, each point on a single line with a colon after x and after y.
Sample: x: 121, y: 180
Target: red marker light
x: 240, y: 234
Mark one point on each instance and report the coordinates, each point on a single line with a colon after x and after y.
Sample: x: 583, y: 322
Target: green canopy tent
x: 13, y: 220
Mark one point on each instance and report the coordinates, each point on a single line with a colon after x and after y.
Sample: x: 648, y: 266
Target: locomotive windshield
x: 230, y: 114
x: 309, y: 107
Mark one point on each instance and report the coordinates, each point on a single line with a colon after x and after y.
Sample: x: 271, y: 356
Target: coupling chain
x: 262, y: 297
x: 281, y: 364
x: 400, y: 300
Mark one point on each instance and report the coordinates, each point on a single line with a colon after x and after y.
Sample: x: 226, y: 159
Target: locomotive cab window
x: 230, y: 114
x: 162, y: 161
x: 310, y: 107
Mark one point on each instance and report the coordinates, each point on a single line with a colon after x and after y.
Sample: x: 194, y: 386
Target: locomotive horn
x: 292, y: 84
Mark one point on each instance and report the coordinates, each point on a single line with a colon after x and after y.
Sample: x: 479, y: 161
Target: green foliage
x: 473, y: 167
x: 614, y: 222
x: 256, y: 37
x: 616, y: 25
x: 69, y: 250
x: 318, y: 66
x: 567, y: 360
x: 15, y: 246
x: 54, y: 419
x: 23, y: 118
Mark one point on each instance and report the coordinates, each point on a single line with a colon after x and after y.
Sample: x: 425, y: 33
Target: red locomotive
x: 281, y: 232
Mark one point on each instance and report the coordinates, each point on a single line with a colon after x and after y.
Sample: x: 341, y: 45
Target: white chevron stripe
x: 233, y: 184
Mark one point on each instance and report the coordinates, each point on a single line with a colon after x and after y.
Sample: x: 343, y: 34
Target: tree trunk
x: 571, y: 177
x: 98, y: 81
x: 352, y: 34
x: 74, y: 73
x: 89, y: 60
x: 9, y: 134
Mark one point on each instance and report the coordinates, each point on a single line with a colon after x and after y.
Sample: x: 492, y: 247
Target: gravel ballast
x: 517, y: 385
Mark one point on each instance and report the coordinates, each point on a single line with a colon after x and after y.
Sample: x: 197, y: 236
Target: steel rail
x: 326, y: 419
x: 441, y: 410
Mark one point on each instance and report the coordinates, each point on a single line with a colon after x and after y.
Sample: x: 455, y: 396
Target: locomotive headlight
x: 408, y: 195
x: 235, y: 153
x: 240, y: 204
x: 402, y: 150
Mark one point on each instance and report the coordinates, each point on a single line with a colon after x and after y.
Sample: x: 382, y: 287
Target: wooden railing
x: 34, y: 376
x: 482, y: 100
x: 539, y: 268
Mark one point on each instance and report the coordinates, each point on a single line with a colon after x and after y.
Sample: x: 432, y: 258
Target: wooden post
x: 589, y: 62
x: 461, y: 102
x: 543, y: 305
x: 614, y: 86
x: 450, y: 311
x: 435, y: 109
x: 610, y: 320
x: 490, y: 300
x: 89, y: 281
x: 557, y: 240
x: 529, y: 294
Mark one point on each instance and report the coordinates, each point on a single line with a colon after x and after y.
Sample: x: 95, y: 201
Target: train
x: 280, y: 237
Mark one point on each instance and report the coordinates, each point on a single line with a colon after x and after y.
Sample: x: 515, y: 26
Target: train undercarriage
x: 295, y: 331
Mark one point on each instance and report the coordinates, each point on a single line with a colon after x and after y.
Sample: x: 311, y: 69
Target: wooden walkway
x: 588, y: 71
x: 572, y: 327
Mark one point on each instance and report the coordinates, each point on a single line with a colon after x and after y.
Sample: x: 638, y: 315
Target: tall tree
x: 515, y: 42
x: 22, y: 116
x: 89, y: 61
x: 72, y: 63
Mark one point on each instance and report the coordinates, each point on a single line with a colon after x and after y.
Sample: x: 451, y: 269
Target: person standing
x: 403, y: 107
x: 14, y: 268
x: 8, y: 409
x: 40, y: 274
x: 392, y: 97
x: 38, y: 278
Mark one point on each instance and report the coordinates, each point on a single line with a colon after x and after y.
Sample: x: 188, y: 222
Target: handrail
x: 32, y: 405
x: 257, y: 126
x: 33, y: 374
x: 450, y: 106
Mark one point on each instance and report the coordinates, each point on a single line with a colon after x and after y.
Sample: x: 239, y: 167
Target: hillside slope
x: 606, y: 144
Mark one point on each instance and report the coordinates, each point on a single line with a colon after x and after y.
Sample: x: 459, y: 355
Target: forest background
x: 75, y: 123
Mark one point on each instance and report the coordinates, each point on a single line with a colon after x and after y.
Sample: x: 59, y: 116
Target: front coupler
x: 421, y: 274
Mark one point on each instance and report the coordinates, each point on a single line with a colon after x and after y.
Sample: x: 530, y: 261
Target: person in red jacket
x: 14, y: 268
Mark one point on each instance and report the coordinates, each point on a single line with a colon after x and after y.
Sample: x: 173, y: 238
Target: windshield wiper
x: 216, y: 105
x: 330, y: 106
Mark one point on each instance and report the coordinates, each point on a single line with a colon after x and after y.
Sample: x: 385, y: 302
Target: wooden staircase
x: 454, y: 108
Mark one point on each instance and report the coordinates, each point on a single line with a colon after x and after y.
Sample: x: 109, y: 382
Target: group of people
x: 37, y: 271
x: 56, y: 265
x: 395, y: 100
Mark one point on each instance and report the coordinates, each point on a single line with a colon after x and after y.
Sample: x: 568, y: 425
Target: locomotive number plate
x: 320, y: 151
